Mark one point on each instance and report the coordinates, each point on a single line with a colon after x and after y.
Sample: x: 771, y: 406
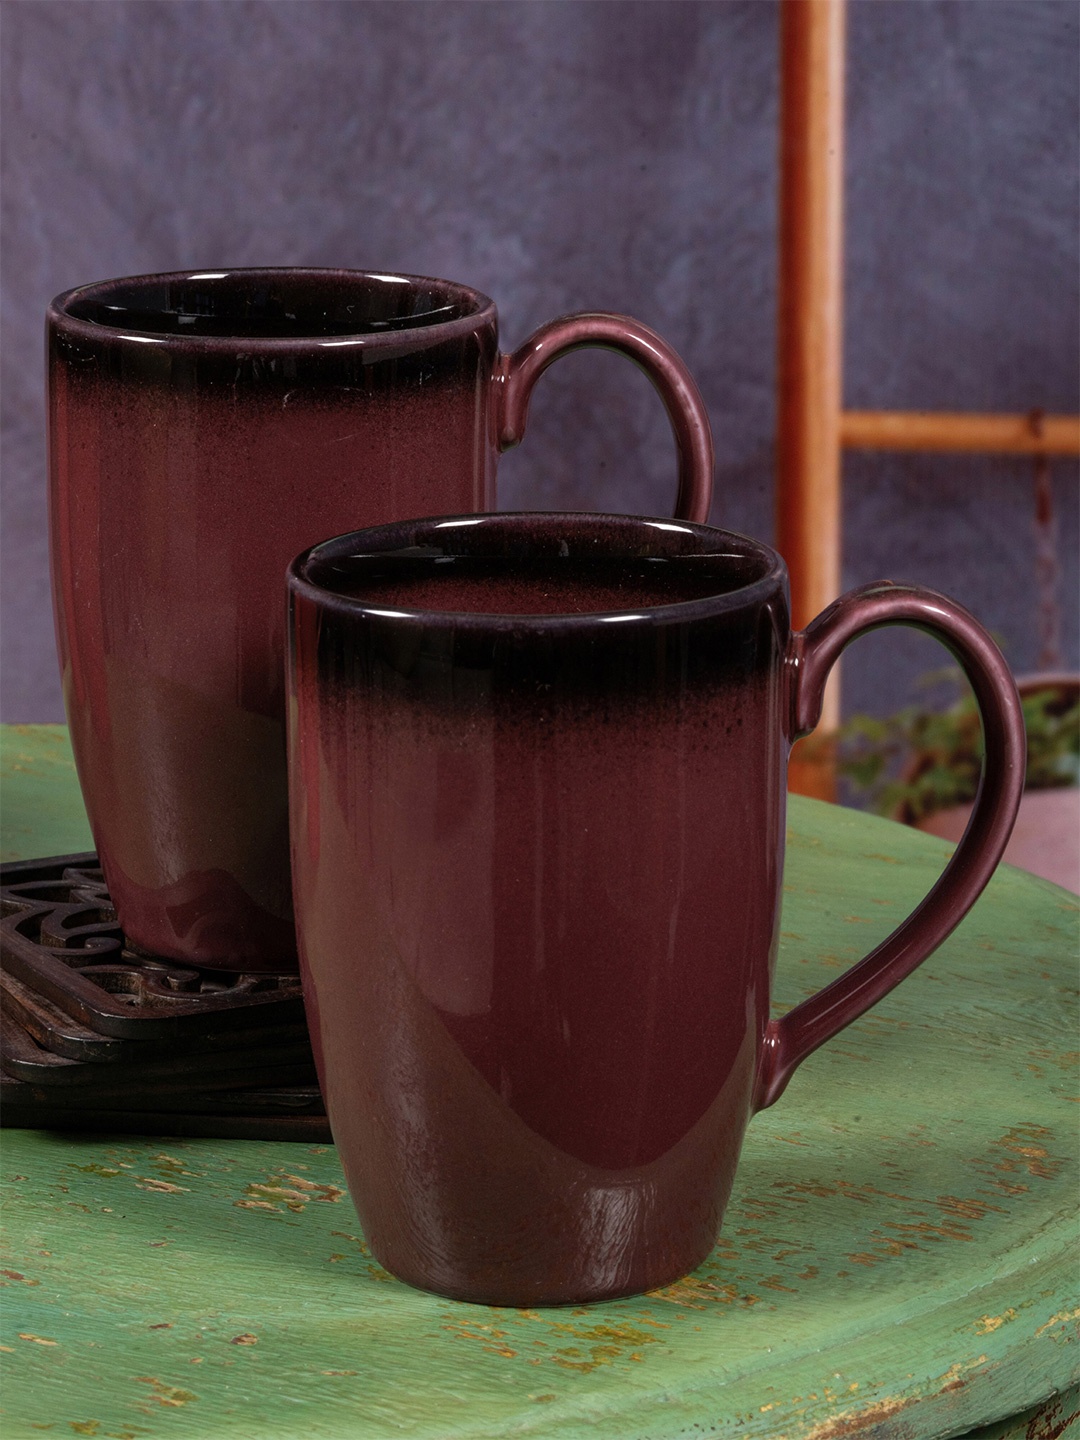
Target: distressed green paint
x: 898, y: 1258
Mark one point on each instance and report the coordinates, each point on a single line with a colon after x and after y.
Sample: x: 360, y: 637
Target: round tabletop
x: 898, y: 1257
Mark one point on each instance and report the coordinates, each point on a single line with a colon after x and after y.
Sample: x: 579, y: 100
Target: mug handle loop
x: 516, y: 374
x: 811, y: 655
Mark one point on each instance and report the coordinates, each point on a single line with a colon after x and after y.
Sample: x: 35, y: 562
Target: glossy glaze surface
x: 203, y: 429
x: 538, y: 1019
x: 538, y: 840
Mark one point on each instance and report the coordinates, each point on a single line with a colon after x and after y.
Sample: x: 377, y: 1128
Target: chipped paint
x: 169, y: 1395
x: 696, y: 1293
x: 172, y: 1165
x: 1030, y: 1143
x: 283, y: 1190
x: 592, y: 1345
x: 848, y: 1422
x: 371, y: 1266
x: 1061, y: 1318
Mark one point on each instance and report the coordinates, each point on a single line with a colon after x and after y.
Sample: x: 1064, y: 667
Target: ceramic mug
x: 203, y: 428
x: 537, y: 772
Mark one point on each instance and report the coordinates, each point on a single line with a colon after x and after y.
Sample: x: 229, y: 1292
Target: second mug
x: 538, y: 767
x: 204, y: 427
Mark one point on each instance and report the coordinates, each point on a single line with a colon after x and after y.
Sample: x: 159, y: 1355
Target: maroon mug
x: 203, y: 429
x: 537, y: 785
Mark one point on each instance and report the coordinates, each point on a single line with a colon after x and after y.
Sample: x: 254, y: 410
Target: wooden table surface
x: 899, y: 1257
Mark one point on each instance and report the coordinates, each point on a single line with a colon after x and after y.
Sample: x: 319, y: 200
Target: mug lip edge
x: 59, y: 317
x: 745, y: 596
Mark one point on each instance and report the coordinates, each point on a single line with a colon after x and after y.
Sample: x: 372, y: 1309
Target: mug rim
x: 753, y: 593
x: 480, y: 311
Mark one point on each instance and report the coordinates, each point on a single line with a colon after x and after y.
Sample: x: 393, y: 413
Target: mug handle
x: 811, y: 655
x: 516, y: 374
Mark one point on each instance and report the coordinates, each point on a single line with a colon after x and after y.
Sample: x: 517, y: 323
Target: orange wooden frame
x: 812, y: 426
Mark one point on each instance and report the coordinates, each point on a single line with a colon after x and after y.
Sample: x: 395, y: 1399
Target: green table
x: 899, y: 1257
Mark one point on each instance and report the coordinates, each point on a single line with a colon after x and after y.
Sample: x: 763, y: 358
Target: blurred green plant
x: 918, y: 761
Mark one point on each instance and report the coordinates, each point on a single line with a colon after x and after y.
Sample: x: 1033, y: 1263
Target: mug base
x: 523, y: 1292
x: 204, y: 920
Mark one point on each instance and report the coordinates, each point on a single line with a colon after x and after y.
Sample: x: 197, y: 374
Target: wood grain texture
x: 810, y: 336
x: 810, y: 302
x: 898, y: 1258
x: 1033, y: 434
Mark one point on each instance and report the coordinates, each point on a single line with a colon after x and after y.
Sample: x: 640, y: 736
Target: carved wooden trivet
x: 97, y: 1035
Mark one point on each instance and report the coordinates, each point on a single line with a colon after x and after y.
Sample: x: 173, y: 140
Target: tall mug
x: 203, y: 428
x: 538, y: 768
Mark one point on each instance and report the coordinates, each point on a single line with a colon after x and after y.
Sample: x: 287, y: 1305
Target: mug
x: 203, y: 428
x: 537, y: 775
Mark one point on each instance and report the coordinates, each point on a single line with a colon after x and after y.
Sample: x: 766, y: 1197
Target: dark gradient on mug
x: 537, y: 871
x: 185, y: 477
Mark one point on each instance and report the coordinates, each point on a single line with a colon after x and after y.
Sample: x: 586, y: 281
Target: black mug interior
x: 273, y: 303
x: 537, y: 564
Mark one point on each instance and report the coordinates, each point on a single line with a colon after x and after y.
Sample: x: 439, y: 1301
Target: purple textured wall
x: 583, y: 155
